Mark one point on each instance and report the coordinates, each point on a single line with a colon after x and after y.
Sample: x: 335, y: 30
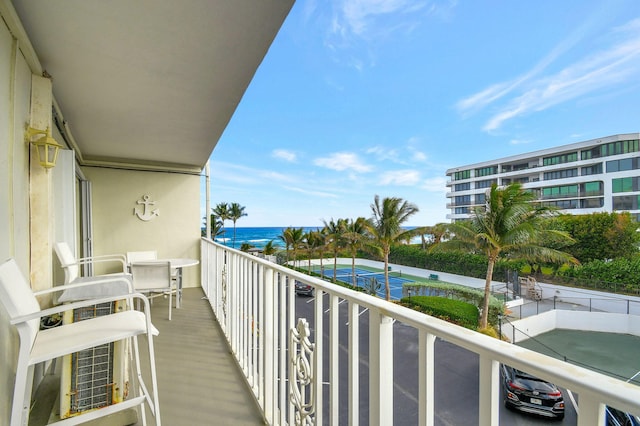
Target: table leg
x: 178, y: 288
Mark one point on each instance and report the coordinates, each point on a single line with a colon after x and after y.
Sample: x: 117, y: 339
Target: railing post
x: 354, y: 366
x: 380, y: 369
x: 590, y: 411
x: 489, y: 391
x: 319, y: 350
x: 334, y: 363
x: 426, y: 372
x: 268, y: 345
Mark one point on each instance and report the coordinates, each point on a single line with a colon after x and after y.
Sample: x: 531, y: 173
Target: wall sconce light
x: 46, y: 146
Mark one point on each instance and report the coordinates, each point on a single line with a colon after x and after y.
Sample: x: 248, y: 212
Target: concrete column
x: 40, y: 190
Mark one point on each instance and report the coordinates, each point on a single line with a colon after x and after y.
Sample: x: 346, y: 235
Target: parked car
x: 530, y: 394
x: 305, y: 289
x: 618, y: 418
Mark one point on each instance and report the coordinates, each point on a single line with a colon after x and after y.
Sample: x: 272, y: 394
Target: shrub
x: 455, y: 311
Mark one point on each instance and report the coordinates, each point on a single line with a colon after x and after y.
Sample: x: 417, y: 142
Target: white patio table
x: 177, y: 264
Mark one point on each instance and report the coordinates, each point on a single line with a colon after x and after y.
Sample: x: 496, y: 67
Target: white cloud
x: 531, y: 92
x: 342, y: 161
x: 518, y: 142
x: 285, y: 155
x: 435, y: 184
x: 400, y: 177
x: 383, y: 154
x: 313, y: 193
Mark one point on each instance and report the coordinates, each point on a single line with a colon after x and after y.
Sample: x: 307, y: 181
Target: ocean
x: 257, y: 237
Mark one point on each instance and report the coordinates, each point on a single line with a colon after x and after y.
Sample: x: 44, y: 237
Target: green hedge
x: 462, y: 293
x: 455, y: 311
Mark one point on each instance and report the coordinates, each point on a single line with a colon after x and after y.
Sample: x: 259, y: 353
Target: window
x: 565, y: 191
x: 485, y: 183
x: 612, y: 148
x: 590, y: 189
x: 486, y: 171
x: 481, y: 198
x: 462, y: 186
x: 562, y: 204
x: 461, y: 210
x: 624, y: 184
x: 465, y: 174
x: 560, y: 159
x: 592, y: 203
x: 462, y: 200
x: 560, y: 174
x: 622, y: 165
x: 594, y: 169
x: 625, y: 202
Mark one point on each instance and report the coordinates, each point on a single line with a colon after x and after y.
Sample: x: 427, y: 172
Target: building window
x: 594, y: 169
x: 485, y: 183
x: 465, y: 174
x: 590, y: 189
x: 612, y: 148
x: 560, y: 159
x: 461, y: 210
x: 562, y: 204
x: 565, y: 191
x: 462, y: 200
x: 462, y: 186
x: 481, y: 198
x: 622, y: 165
x: 625, y: 202
x: 560, y: 174
x: 592, y: 203
x: 627, y: 184
x: 486, y: 171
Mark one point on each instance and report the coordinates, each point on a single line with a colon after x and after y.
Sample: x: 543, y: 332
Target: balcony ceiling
x: 150, y: 83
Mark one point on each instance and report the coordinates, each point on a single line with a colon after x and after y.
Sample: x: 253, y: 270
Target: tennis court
x: 366, y: 278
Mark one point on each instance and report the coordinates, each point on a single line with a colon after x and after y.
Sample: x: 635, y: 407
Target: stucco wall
x: 15, y: 92
x: 174, y: 232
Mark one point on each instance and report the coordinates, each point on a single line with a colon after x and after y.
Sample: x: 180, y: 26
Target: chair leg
x: 170, y: 304
x: 152, y: 399
x: 22, y: 392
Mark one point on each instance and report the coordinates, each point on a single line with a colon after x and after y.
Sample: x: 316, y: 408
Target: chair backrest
x: 138, y: 256
x: 149, y: 275
x: 16, y: 295
x: 67, y: 261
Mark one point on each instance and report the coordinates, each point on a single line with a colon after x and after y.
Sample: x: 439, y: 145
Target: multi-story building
x: 598, y: 175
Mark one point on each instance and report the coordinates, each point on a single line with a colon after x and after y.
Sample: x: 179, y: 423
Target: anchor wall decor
x: 147, y: 212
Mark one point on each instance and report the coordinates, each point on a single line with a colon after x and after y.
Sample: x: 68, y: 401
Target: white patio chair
x: 71, y: 267
x: 141, y: 256
x: 37, y: 346
x: 153, y: 277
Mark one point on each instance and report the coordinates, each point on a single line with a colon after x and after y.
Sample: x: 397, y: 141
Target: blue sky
x: 363, y: 97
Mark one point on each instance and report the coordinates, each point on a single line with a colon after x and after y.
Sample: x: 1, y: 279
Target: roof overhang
x: 149, y: 84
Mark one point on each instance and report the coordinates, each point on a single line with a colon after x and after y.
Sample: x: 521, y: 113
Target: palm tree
x: 315, y: 241
x: 269, y: 248
x: 221, y: 211
x: 333, y: 231
x: 216, y: 227
x: 236, y: 211
x: 355, y: 235
x: 386, y: 228
x: 508, y: 225
x: 294, y: 238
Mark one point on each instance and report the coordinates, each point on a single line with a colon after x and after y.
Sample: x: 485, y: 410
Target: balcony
x: 351, y: 347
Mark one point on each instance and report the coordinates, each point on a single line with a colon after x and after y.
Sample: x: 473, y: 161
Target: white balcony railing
x: 255, y: 304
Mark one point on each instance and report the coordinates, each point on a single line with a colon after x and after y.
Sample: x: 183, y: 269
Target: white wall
x: 174, y: 232
x: 571, y: 320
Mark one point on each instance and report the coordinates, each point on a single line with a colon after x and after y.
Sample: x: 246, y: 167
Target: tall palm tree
x: 216, y: 227
x: 508, y: 225
x: 221, y: 211
x: 333, y: 231
x: 386, y: 228
x: 269, y: 248
x: 236, y: 211
x: 355, y: 235
x: 315, y: 241
x: 294, y: 238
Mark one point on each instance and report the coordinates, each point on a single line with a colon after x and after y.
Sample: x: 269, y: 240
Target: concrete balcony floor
x: 199, y: 381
